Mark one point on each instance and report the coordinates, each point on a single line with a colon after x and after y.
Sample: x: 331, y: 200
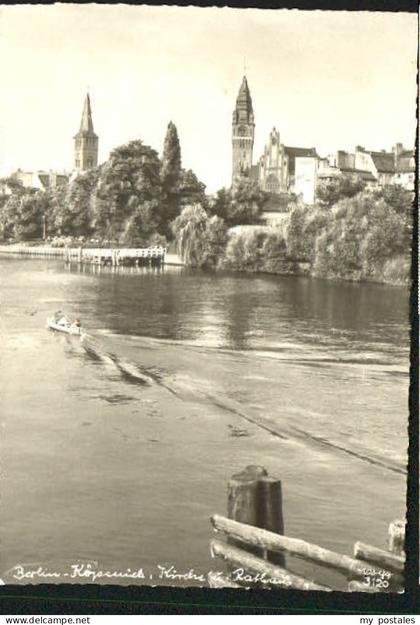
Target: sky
x: 325, y: 79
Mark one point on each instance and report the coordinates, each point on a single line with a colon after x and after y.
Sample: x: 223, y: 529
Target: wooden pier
x: 115, y: 257
x: 255, y: 549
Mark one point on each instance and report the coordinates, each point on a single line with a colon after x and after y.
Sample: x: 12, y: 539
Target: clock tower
x: 243, y: 127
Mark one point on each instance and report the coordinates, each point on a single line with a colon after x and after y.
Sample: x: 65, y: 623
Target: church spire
x: 86, y: 141
x: 86, y: 124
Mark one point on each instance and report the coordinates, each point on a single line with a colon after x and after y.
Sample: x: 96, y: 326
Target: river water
x: 118, y: 449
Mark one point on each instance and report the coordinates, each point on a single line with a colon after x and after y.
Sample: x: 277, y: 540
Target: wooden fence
x: 256, y: 548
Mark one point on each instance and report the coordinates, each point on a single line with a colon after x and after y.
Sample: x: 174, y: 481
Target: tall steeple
x: 243, y: 127
x: 86, y: 141
x: 86, y: 125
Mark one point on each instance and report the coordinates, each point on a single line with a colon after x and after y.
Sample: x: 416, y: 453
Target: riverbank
x: 395, y: 272
x: 304, y: 269
x: 270, y: 251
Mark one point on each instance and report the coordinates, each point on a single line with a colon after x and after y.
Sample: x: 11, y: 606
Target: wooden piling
x: 396, y: 537
x: 271, y: 512
x: 243, y: 501
x: 255, y: 498
x: 242, y: 495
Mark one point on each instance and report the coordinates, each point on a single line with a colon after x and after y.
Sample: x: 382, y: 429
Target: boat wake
x: 188, y: 389
x: 292, y: 353
x: 128, y: 370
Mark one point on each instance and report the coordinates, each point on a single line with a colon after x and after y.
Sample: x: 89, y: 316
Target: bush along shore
x: 352, y: 234
x: 136, y: 199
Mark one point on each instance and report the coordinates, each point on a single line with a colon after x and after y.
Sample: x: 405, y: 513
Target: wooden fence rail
x: 256, y: 555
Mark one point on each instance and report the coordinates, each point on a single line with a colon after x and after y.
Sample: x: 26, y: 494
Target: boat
x: 67, y: 327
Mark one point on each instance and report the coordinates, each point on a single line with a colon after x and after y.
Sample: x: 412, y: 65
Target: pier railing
x: 115, y: 257
x: 33, y: 250
x: 100, y: 256
x: 256, y: 548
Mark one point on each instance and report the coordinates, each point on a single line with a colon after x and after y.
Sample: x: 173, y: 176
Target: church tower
x: 86, y: 141
x: 243, y: 127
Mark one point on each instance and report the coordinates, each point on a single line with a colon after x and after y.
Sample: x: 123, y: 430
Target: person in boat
x: 77, y: 324
x: 60, y: 318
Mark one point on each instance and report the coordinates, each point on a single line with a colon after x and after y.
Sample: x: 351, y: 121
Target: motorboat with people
x: 61, y: 323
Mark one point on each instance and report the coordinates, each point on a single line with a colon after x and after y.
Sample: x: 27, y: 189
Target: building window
x: 77, y: 163
x: 89, y: 162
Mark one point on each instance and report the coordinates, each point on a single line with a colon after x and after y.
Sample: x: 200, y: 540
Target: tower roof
x: 86, y: 124
x: 243, y: 101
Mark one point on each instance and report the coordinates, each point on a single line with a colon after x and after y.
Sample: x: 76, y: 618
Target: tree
x: 384, y: 239
x: 28, y: 223
x: 79, y: 203
x: 14, y: 186
x: 55, y: 210
x: 330, y: 192
x: 191, y: 190
x: 247, y: 204
x: 401, y: 201
x: 141, y: 226
x: 201, y: 240
x: 244, y: 251
x: 9, y: 215
x: 243, y: 205
x: 189, y: 228
x: 274, y: 251
x: 214, y: 242
x: 295, y: 234
x: 361, y: 237
x: 171, y: 160
x: 398, y: 198
x: 129, y: 179
x: 220, y: 205
x: 11, y: 189
x: 170, y: 176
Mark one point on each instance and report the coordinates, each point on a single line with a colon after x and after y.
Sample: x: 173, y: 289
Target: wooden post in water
x: 242, y: 502
x: 396, y: 537
x: 256, y: 499
x: 271, y: 512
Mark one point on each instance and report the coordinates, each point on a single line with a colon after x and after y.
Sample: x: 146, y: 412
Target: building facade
x: 285, y: 169
x: 243, y: 128
x: 375, y: 168
x: 41, y: 179
x: 277, y: 166
x: 281, y: 169
x: 86, y: 141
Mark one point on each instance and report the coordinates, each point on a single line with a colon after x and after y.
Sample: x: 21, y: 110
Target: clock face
x: 242, y: 131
